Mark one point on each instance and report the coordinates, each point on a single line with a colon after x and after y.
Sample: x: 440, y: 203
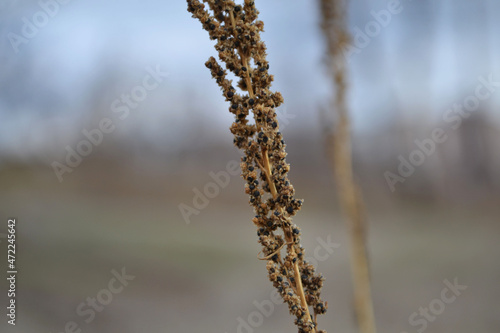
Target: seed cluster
x: 237, y: 32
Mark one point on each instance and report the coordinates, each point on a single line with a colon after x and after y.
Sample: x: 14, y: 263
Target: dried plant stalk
x: 334, y: 28
x: 237, y: 33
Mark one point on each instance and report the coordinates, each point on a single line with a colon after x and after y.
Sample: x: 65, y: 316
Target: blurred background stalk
x: 333, y: 23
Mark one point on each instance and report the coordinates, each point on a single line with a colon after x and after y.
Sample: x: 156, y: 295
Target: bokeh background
x: 119, y: 206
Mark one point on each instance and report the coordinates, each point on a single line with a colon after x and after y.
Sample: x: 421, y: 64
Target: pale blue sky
x: 428, y: 57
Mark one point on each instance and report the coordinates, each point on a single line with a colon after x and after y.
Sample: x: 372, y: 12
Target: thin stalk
x: 236, y: 27
x: 334, y: 16
x: 352, y: 205
x: 266, y: 167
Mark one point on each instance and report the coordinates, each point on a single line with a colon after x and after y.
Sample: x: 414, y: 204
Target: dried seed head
x: 236, y: 30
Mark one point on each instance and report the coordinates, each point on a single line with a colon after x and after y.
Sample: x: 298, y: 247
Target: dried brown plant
x: 333, y: 24
x: 236, y: 30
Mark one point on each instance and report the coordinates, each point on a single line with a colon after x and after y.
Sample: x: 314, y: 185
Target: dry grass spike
x: 236, y: 30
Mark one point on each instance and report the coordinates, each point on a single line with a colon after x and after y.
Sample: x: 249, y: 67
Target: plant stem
x: 334, y: 26
x: 239, y: 54
x: 352, y: 204
x: 288, y: 237
x: 266, y: 168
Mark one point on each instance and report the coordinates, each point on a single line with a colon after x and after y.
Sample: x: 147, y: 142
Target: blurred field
x: 203, y: 276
